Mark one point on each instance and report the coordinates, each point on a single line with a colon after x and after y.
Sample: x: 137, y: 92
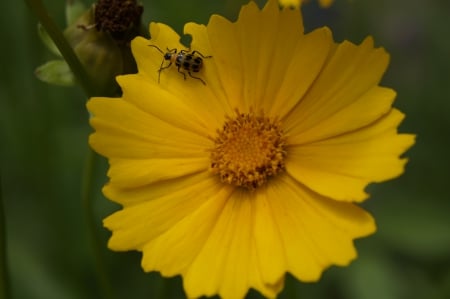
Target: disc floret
x: 248, y: 150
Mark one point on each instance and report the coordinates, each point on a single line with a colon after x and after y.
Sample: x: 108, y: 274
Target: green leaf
x: 56, y: 72
x: 74, y: 9
x: 48, y: 42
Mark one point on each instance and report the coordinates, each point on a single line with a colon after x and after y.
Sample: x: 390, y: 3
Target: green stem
x: 63, y: 46
x: 90, y: 89
x: 87, y: 193
x: 4, y: 279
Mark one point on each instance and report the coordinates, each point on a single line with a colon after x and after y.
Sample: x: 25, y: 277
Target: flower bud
x: 100, y: 38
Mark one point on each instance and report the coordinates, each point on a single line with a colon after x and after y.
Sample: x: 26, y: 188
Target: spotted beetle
x: 184, y: 60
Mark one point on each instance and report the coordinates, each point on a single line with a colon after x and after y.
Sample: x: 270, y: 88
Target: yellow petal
x: 268, y: 243
x: 290, y: 3
x: 150, y: 211
x: 298, y: 3
x: 164, y: 104
x: 326, y: 3
x: 227, y: 60
x: 259, y: 49
x: 148, y: 58
x: 131, y: 173
x: 124, y: 131
x: 172, y: 91
x: 305, y: 62
x: 213, y: 100
x: 370, y: 106
x: 226, y: 255
x: 342, y: 166
x: 348, y: 75
x: 229, y: 257
x: 173, y: 251
x: 316, y: 232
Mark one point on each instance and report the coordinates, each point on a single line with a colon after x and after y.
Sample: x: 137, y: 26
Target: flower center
x: 118, y: 17
x: 248, y: 150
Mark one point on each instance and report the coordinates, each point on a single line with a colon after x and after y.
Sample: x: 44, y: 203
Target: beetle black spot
x: 186, y: 65
x: 198, y: 60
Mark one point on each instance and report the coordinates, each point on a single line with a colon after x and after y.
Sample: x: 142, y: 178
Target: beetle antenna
x: 156, y: 47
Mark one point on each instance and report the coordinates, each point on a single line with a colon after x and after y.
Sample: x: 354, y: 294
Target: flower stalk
x: 90, y: 88
x: 87, y: 191
x: 63, y: 46
x: 4, y: 278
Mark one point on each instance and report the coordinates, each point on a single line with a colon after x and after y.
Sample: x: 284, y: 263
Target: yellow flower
x: 297, y: 3
x: 253, y: 171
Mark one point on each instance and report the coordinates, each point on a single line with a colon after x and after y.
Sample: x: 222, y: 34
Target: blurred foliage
x: 43, y: 148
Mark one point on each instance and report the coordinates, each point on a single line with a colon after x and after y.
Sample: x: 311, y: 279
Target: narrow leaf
x: 56, y: 72
x: 48, y: 42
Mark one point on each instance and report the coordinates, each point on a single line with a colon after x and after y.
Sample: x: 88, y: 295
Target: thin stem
x: 4, y: 278
x: 63, y: 46
x: 87, y: 195
x: 91, y: 89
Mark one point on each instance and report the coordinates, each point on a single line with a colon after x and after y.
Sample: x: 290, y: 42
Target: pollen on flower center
x: 248, y: 150
x: 120, y: 18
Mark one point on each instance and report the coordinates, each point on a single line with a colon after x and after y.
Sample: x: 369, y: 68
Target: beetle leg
x: 162, y: 68
x: 200, y: 54
x: 197, y: 78
x: 183, y: 73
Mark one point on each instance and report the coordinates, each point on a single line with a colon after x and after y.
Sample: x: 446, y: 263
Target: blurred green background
x: 43, y: 151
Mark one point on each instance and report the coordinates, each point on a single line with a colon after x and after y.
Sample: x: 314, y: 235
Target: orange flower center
x: 248, y: 150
